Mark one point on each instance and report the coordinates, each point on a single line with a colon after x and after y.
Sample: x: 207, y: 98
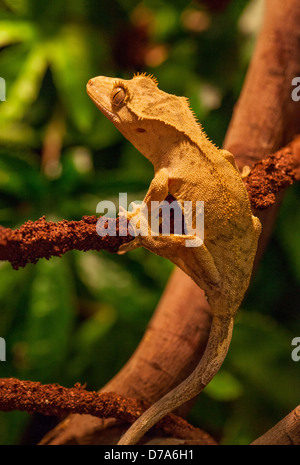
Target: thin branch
x: 284, y: 433
x: 42, y: 239
x: 56, y: 400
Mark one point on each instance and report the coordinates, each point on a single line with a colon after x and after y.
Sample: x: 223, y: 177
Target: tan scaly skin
x: 190, y: 167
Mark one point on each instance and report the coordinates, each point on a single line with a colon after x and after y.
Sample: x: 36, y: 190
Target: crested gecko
x: 190, y: 167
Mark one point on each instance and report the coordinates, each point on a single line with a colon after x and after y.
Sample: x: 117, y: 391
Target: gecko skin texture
x: 190, y: 167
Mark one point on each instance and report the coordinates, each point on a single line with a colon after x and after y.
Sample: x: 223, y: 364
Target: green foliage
x: 79, y: 318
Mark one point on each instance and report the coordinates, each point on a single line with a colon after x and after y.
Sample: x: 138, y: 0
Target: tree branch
x: 274, y: 173
x: 56, y: 400
x: 42, y: 239
x: 284, y: 433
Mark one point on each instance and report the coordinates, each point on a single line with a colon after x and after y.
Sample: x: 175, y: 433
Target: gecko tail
x: 211, y: 361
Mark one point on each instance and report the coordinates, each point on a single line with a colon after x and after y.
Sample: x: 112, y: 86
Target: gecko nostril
x: 90, y: 83
x: 140, y: 130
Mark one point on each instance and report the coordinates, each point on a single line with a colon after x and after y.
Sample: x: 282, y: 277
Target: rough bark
x: 56, y: 400
x: 285, y: 433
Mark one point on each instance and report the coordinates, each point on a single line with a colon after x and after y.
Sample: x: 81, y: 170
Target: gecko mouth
x: 96, y: 96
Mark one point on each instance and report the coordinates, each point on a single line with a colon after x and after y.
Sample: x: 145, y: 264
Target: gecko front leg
x: 140, y: 217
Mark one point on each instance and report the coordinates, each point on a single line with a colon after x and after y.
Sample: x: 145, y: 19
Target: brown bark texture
x: 285, y: 433
x: 56, y: 400
x: 264, y: 119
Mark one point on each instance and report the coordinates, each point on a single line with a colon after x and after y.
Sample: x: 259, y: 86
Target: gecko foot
x: 134, y: 244
x: 129, y: 215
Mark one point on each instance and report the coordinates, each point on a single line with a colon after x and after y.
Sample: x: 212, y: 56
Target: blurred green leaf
x: 224, y: 387
x: 26, y: 87
x: 15, y: 31
x: 49, y: 320
x: 289, y: 233
x: 69, y: 60
x: 261, y: 353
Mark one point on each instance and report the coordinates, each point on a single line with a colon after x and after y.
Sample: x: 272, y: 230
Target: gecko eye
x: 118, y: 96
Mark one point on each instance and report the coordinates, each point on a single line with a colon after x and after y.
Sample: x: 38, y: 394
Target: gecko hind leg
x: 196, y: 262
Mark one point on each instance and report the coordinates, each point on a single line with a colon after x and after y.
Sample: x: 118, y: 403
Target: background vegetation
x: 79, y: 318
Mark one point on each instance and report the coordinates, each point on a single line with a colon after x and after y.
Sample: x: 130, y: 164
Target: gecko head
x: 137, y: 107
x: 121, y: 100
x: 128, y: 105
